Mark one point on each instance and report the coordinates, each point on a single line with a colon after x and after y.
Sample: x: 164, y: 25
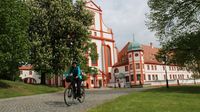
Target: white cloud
x: 126, y: 17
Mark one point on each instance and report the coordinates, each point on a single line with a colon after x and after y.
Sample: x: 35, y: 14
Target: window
x: 156, y: 77
x: 149, y: 77
x: 188, y: 76
x: 138, y: 77
x: 132, y: 78
x: 152, y: 67
x: 116, y: 70
x: 92, y: 81
x: 148, y: 67
x: 126, y: 68
x: 109, y: 76
x: 136, y: 55
x: 170, y: 76
x: 144, y: 77
x: 164, y: 76
x: 21, y: 72
x: 155, y: 67
x: 95, y: 33
x: 131, y: 67
x: 130, y: 55
x: 163, y: 67
x: 169, y: 68
x: 108, y: 51
x: 30, y: 72
x: 153, y: 77
x: 94, y: 60
x: 127, y: 78
x: 137, y: 66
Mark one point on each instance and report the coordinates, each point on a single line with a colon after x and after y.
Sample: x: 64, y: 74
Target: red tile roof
x: 29, y: 67
x: 149, y: 54
x: 122, y: 56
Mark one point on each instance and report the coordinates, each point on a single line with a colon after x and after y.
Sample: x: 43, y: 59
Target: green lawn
x: 14, y: 89
x: 174, y: 99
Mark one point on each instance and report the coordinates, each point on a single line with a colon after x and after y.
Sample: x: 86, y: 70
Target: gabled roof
x: 91, y: 5
x: 28, y: 67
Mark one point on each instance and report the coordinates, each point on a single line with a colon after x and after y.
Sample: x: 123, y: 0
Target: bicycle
x: 70, y: 96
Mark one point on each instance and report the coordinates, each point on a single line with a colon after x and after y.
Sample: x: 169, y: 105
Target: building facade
x: 137, y: 65
x: 102, y: 36
x: 28, y: 75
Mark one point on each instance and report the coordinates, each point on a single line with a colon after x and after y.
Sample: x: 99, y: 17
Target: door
x: 100, y: 83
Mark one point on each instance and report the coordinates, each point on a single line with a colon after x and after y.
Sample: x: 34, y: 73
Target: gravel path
x: 54, y: 102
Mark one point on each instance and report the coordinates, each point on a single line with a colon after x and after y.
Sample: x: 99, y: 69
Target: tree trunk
x: 43, y: 79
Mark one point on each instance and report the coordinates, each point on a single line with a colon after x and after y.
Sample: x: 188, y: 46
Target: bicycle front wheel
x: 68, y: 96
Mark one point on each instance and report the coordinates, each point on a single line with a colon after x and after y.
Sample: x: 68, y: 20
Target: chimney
x: 151, y: 44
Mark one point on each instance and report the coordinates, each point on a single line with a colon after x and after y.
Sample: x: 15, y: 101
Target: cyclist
x: 75, y: 77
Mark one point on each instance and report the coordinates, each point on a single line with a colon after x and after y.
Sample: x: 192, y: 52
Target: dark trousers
x: 77, y: 90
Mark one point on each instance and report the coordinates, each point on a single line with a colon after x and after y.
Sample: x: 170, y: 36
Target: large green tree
x: 59, y: 34
x: 177, y: 25
x: 14, y: 44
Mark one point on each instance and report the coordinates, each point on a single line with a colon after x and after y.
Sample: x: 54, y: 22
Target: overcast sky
x: 126, y: 17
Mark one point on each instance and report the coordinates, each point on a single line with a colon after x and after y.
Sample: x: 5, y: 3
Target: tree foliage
x: 59, y: 34
x: 180, y: 16
x: 177, y: 25
x: 14, y: 44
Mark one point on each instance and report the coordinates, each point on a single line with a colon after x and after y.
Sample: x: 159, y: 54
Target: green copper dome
x: 134, y: 46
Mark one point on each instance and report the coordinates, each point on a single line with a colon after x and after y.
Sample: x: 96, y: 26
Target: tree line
x: 48, y: 34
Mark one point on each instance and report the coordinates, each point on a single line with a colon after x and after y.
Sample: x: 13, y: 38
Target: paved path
x: 54, y: 102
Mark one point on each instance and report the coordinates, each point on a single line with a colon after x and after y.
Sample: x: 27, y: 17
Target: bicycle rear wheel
x: 82, y: 98
x: 68, y: 96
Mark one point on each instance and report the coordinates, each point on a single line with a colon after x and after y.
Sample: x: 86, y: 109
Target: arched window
x: 116, y: 70
x: 108, y: 51
x: 94, y: 60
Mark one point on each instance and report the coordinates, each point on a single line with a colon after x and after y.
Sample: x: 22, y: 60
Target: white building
x: 137, y: 65
x: 28, y: 75
x: 103, y: 38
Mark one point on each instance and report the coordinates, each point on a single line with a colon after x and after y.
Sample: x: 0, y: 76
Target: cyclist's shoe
x: 79, y: 99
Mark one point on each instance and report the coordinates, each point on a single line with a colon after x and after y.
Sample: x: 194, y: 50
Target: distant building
x: 28, y: 75
x: 137, y: 65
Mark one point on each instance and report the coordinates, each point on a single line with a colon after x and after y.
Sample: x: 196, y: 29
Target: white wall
x: 25, y: 74
x: 161, y: 72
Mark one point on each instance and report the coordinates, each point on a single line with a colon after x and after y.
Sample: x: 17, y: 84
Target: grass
x: 174, y: 99
x: 13, y: 89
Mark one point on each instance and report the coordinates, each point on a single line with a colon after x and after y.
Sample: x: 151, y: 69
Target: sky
x: 127, y: 17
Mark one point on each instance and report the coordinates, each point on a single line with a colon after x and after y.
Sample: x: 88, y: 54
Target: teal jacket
x: 70, y: 71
